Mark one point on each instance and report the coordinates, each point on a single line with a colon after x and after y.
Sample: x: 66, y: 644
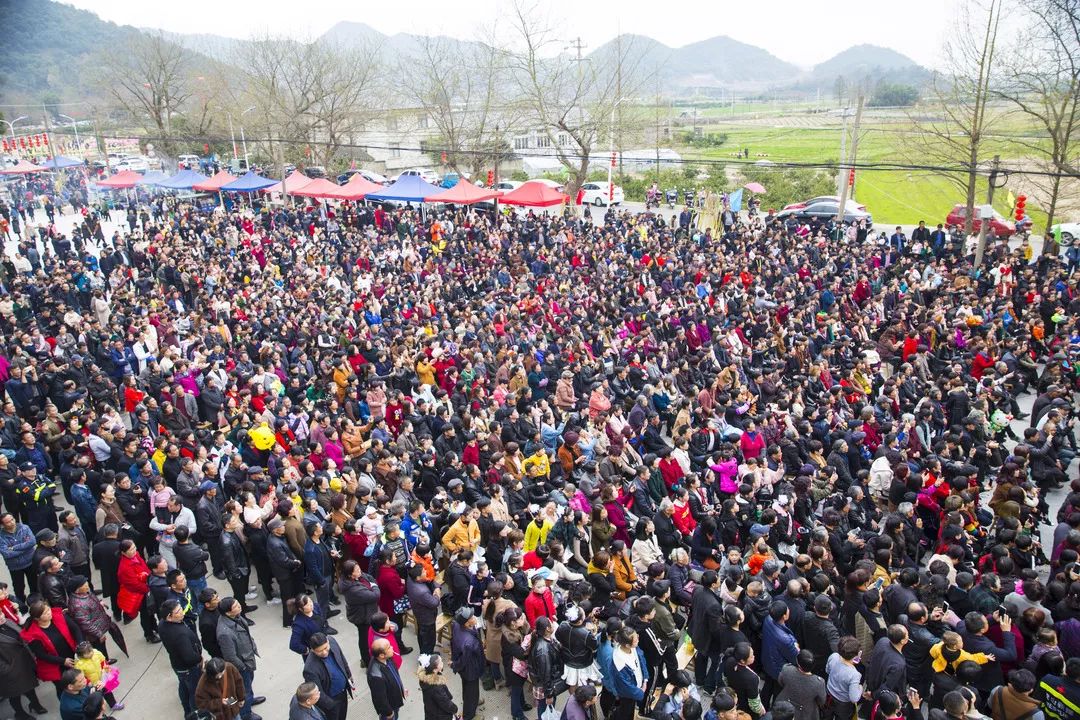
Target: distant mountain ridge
x: 52, y: 57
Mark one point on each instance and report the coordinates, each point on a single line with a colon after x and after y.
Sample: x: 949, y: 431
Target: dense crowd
x: 614, y: 465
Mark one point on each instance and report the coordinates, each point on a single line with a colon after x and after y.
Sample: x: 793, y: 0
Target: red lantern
x: 491, y: 178
x: 22, y: 142
x: 45, y: 138
x: 37, y: 141
x: 443, y: 157
x: 206, y: 148
x: 1021, y: 204
x: 4, y: 145
x: 612, y: 159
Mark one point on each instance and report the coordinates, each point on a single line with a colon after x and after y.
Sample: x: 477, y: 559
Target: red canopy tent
x: 121, y: 180
x: 214, y: 183
x: 464, y: 193
x: 294, y: 182
x: 320, y: 188
x: 357, y: 187
x: 534, y: 194
x: 21, y: 168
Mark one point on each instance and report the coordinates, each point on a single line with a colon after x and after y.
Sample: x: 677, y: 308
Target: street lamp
x: 243, y: 140
x: 74, y: 124
x: 11, y: 126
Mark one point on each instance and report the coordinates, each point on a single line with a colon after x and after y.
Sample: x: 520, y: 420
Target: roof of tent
x: 320, y: 188
x: 356, y: 189
x: 250, y: 182
x: 154, y: 177
x: 183, y: 180
x: 410, y: 188
x: 464, y: 193
x: 21, y: 168
x: 215, y: 183
x: 121, y: 180
x: 293, y: 182
x: 60, y: 162
x: 534, y: 194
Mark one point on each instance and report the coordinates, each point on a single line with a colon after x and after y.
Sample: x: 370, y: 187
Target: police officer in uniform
x: 37, y: 493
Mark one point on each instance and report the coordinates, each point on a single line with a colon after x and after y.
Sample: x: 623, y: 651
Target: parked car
x: 238, y: 166
x: 449, y: 180
x: 132, y: 162
x: 824, y: 210
x: 824, y: 198
x: 427, y: 175
x: 596, y: 193
x: 187, y: 162
x: 553, y: 184
x: 1070, y: 234
x: 507, y: 185
x: 315, y: 171
x: 1002, y: 226
x: 366, y: 174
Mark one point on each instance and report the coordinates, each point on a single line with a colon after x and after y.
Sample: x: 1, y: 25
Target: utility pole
x: 97, y: 137
x: 847, y: 168
x: 498, y: 150
x: 984, y: 222
x: 45, y: 112
x: 855, y: 149
x: 232, y: 136
x: 845, y: 114
x: 578, y: 46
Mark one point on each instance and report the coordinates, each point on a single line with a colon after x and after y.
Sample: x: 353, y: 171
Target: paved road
x: 148, y: 686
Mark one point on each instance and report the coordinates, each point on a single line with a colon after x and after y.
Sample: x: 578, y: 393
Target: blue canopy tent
x: 411, y: 188
x: 248, y: 183
x: 152, y: 178
x: 183, y: 180
x: 60, y: 162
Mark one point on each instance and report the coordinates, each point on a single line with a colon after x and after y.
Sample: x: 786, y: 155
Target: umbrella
x: 118, y: 637
x: 262, y: 437
x: 755, y: 187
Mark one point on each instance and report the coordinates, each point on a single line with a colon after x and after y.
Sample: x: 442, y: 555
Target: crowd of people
x: 612, y: 466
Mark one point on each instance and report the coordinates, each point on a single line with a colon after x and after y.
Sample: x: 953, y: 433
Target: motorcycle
x: 672, y: 197
x: 652, y: 199
x: 688, y: 196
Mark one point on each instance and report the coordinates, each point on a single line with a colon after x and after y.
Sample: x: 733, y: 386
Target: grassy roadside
x: 893, y: 196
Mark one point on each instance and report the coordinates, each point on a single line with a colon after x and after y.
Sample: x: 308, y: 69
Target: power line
x: 713, y: 162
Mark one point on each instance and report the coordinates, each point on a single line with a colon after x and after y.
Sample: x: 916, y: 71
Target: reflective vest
x: 1057, y: 702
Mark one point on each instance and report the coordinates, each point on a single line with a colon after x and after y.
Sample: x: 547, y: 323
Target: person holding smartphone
x: 218, y: 688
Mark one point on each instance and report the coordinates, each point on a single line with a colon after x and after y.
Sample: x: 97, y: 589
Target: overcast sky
x: 803, y: 32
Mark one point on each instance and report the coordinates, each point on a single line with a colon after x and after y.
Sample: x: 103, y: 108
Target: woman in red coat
x: 52, y: 640
x: 131, y: 575
x: 391, y: 585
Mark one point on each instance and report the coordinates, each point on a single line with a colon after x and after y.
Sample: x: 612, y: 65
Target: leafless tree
x: 959, y: 99
x: 567, y: 99
x: 459, y: 87
x: 348, y: 94
x: 169, y: 91
x: 1042, y: 79
x: 310, y: 98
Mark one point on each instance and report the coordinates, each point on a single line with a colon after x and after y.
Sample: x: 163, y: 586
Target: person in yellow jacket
x: 622, y: 570
x: 425, y: 371
x: 536, y: 533
x: 949, y: 653
x: 464, y: 534
x: 537, y: 466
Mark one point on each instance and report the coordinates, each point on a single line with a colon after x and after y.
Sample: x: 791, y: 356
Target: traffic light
x: 491, y: 178
x: 1021, y: 203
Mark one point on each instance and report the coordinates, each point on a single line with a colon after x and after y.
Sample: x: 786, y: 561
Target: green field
x: 893, y: 196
